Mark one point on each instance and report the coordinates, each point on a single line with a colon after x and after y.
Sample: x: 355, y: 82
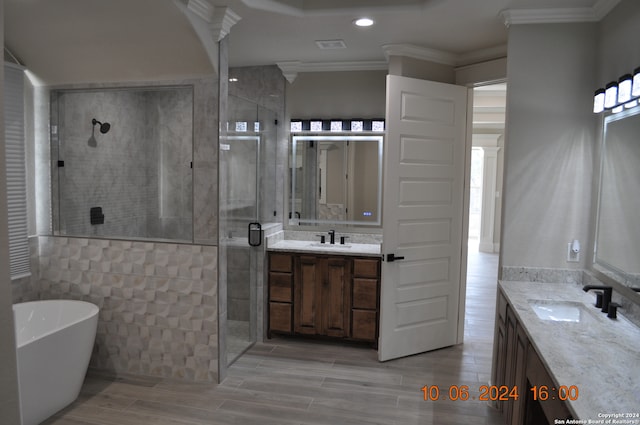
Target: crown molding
x: 442, y: 57
x: 222, y: 20
x: 595, y: 13
x: 201, y: 8
x: 484, y: 55
x: 291, y: 69
x: 603, y: 7
x: 320, y: 8
x: 418, y: 52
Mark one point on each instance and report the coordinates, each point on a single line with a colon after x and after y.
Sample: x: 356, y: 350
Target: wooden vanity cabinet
x: 321, y: 294
x: 365, y: 301
x: 280, y: 293
x: 516, y: 364
x: 332, y: 296
x: 537, y: 412
x: 499, y: 346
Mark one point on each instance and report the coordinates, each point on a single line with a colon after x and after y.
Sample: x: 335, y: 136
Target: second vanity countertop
x: 600, y: 356
x: 359, y: 249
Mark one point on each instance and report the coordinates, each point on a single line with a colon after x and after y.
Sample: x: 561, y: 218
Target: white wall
x: 618, y: 49
x: 350, y: 94
x: 550, y: 140
x: 9, y: 407
x: 421, y: 69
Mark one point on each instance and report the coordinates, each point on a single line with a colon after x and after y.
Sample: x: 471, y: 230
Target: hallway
x: 292, y: 381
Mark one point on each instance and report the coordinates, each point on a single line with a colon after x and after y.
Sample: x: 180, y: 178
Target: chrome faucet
x: 332, y: 237
x: 607, y: 292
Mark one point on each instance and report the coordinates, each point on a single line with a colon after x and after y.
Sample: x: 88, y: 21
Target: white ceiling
x: 79, y: 41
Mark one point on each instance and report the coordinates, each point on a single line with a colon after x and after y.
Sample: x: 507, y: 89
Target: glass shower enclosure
x: 250, y: 130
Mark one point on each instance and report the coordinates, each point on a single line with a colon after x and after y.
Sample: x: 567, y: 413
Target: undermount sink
x: 559, y: 311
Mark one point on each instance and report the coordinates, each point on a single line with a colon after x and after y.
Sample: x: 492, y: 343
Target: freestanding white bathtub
x: 54, y: 342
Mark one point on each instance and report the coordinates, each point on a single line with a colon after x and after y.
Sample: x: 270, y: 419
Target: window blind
x: 16, y: 175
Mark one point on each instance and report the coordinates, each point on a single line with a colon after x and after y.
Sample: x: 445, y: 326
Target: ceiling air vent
x: 331, y: 44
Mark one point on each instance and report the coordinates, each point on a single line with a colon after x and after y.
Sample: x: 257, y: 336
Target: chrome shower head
x: 104, y: 127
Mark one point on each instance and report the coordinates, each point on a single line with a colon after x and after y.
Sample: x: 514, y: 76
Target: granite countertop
x: 359, y: 249
x: 600, y: 356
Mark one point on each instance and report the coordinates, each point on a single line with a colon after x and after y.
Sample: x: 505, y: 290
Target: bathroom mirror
x: 335, y: 179
x: 617, y: 246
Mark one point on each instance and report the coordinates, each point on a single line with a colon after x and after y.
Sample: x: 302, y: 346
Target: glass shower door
x: 242, y: 165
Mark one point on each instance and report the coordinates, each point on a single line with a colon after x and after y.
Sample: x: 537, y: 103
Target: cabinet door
x: 520, y: 377
x: 336, y: 297
x: 510, y: 364
x: 307, y: 295
x: 499, y: 358
x: 539, y: 412
x: 500, y: 345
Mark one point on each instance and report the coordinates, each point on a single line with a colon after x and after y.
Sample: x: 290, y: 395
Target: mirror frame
x: 604, y: 270
x: 334, y: 136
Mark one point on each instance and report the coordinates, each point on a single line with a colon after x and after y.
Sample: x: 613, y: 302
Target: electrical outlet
x: 572, y: 257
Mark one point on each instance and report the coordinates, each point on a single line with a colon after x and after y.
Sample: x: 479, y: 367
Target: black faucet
x: 607, y: 292
x: 613, y: 310
x: 332, y: 237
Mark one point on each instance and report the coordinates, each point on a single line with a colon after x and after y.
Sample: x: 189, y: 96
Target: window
x: 16, y: 178
x: 317, y: 126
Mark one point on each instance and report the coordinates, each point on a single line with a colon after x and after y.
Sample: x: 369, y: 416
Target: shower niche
x: 122, y: 163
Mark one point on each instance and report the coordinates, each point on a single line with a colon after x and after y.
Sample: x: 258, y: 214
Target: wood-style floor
x: 291, y: 381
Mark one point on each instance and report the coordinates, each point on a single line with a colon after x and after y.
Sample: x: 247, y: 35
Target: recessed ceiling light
x: 363, y: 22
x: 233, y: 80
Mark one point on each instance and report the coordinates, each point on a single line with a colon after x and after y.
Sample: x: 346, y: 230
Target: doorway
x: 485, y: 183
x: 488, y: 127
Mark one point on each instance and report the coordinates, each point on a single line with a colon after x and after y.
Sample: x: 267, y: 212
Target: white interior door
x: 423, y: 216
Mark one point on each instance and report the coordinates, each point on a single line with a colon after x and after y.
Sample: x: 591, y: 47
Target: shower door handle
x: 255, y: 234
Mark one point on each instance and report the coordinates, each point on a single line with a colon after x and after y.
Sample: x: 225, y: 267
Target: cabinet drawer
x: 280, y: 317
x: 280, y: 287
x: 363, y: 325
x: 365, y: 267
x: 280, y: 262
x: 365, y: 293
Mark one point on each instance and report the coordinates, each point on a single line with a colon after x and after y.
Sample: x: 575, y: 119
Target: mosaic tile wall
x: 158, y: 302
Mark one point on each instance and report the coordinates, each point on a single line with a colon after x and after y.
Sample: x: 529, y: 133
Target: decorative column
x: 489, y: 184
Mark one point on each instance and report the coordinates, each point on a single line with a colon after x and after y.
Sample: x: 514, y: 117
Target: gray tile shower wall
x: 238, y: 291
x: 158, y: 302
x: 204, y: 92
x: 139, y: 172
